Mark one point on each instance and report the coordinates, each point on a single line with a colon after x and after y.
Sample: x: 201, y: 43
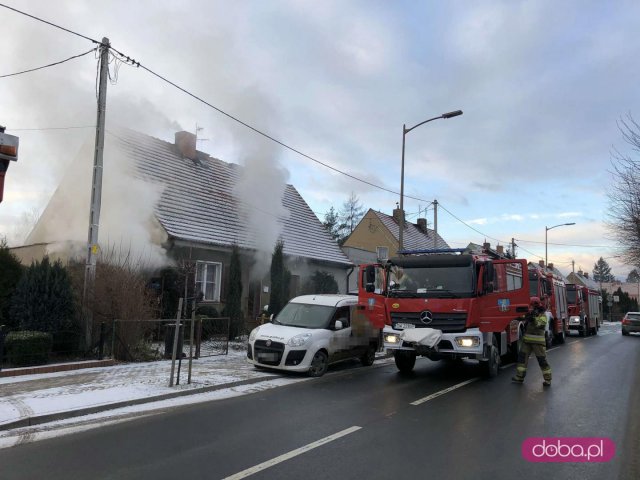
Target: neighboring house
x: 582, y: 278
x: 378, y: 233
x: 194, y: 213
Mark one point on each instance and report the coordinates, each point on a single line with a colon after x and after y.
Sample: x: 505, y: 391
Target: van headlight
x: 468, y: 342
x: 253, y: 334
x: 574, y: 320
x: 299, y: 340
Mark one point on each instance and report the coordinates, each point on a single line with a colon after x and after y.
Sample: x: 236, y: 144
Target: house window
x: 208, y: 280
x: 383, y: 253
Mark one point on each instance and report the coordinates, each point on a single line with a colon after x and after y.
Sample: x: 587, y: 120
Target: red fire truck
x: 585, y: 309
x: 447, y: 304
x: 551, y: 289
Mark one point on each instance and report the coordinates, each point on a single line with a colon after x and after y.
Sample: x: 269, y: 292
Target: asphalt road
x: 374, y: 423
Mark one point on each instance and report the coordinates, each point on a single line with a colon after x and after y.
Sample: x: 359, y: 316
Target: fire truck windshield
x: 433, y: 282
x: 571, y: 296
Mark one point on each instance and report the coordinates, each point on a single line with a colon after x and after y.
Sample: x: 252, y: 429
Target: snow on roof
x: 198, y: 203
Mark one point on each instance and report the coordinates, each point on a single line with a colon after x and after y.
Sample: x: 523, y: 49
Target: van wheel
x: 319, y: 364
x: 369, y: 357
x: 405, y: 360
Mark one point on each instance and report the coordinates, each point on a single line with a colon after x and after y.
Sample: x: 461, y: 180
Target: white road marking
x: 442, y: 392
x: 291, y: 454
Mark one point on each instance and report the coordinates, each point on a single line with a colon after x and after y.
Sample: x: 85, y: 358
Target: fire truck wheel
x: 560, y: 337
x: 319, y: 364
x: 490, y: 367
x: 584, y: 332
x: 405, y: 360
x: 594, y: 330
x: 548, y: 339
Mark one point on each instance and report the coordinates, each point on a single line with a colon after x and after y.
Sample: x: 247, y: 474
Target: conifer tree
x: 10, y: 273
x: 234, y: 296
x: 43, y: 299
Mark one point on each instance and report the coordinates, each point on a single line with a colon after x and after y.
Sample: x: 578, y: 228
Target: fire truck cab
x: 447, y: 304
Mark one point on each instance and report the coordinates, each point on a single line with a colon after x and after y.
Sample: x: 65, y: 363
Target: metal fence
x: 148, y: 340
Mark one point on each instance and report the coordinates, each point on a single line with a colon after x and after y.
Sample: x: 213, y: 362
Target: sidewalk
x: 45, y: 397
x: 27, y: 400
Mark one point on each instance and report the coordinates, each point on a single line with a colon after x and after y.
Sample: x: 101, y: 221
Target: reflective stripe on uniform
x: 529, y: 338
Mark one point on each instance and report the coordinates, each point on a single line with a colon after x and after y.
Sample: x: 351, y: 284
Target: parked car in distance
x: 631, y: 323
x: 311, y: 332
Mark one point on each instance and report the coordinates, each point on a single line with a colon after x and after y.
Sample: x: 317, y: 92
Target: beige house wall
x: 371, y: 234
x: 28, y: 254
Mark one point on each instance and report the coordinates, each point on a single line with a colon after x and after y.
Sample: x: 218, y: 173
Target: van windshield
x: 305, y: 316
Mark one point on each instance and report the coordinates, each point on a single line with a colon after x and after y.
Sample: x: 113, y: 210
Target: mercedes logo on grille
x: 268, y: 343
x: 426, y: 317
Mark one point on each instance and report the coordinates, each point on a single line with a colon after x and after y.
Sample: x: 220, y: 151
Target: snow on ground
x: 20, y: 436
x: 47, y: 393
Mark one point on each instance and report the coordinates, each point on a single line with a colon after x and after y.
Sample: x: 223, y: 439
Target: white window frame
x: 386, y: 257
x: 201, y: 274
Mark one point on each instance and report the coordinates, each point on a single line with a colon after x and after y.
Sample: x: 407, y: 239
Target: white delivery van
x: 311, y: 332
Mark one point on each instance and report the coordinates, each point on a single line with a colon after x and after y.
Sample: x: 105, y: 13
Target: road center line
x: 442, y: 392
x: 291, y: 454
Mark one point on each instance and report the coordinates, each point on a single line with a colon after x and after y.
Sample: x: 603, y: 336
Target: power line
x: 564, y: 244
x: 49, y: 65
x: 273, y: 139
x: 128, y: 60
x: 469, y: 226
x: 50, y: 23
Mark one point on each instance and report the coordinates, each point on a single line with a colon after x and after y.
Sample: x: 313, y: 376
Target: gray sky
x: 542, y: 85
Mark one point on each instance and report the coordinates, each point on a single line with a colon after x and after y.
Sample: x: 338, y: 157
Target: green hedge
x: 26, y: 348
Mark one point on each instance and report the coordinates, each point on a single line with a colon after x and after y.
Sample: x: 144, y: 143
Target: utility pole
x: 573, y: 266
x: 435, y: 224
x: 96, y: 198
x: 513, y: 247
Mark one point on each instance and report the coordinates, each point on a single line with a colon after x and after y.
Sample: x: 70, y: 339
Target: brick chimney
x: 486, y: 246
x: 541, y: 263
x: 500, y: 249
x: 396, y: 215
x: 422, y: 225
x: 586, y: 275
x: 550, y: 266
x: 186, y: 144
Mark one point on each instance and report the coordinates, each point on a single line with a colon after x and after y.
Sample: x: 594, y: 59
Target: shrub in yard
x: 43, y: 299
x: 320, y: 282
x: 28, y: 348
x: 10, y: 273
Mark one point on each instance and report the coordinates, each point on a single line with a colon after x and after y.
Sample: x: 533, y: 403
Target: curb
x: 53, y: 417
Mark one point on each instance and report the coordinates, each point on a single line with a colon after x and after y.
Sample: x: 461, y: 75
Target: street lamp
x: 546, y: 229
x: 406, y: 130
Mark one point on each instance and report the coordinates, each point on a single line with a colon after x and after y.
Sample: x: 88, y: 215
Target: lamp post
x: 546, y: 229
x: 406, y: 130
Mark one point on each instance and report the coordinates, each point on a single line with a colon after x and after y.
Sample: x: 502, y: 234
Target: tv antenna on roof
x: 200, y: 139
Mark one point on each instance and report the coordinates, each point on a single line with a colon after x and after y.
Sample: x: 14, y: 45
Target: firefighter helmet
x: 535, y: 302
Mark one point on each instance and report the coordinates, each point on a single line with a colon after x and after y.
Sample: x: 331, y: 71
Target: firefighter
x: 534, y: 341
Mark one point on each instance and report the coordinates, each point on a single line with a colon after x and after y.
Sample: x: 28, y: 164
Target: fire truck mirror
x: 370, y: 278
x: 488, y: 277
